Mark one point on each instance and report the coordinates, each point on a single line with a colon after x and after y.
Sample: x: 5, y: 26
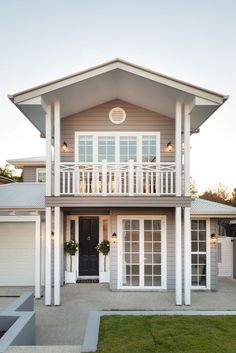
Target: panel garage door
x: 17, y: 254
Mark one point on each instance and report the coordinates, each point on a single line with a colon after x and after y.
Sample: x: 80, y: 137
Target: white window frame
x: 117, y: 135
x: 141, y: 251
x: 208, y: 254
x: 38, y: 170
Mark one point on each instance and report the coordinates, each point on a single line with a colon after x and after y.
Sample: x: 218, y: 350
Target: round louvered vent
x: 117, y: 115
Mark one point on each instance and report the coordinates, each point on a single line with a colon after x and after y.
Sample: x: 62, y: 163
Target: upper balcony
x: 117, y: 179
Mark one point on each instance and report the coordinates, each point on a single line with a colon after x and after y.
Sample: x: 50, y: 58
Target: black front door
x: 88, y: 241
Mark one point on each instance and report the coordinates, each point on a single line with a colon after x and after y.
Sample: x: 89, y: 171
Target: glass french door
x: 143, y: 252
x: 199, y: 254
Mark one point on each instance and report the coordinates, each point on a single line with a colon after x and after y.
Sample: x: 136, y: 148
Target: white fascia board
x: 213, y: 214
x: 118, y: 64
x: 55, y: 85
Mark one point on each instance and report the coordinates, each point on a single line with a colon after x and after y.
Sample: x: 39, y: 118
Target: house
x: 116, y: 170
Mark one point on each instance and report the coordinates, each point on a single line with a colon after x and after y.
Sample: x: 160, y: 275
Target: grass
x: 167, y: 334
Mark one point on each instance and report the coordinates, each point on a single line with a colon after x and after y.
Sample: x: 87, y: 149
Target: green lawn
x: 167, y: 334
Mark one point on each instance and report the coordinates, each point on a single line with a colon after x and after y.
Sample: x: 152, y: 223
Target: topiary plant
x: 104, y: 248
x: 71, y: 247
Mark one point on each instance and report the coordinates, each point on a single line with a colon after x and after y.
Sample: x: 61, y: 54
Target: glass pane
x: 148, y: 236
x: 202, y: 235
x: 148, y: 269
x: 157, y: 258
x: 72, y: 229
x: 148, y: 281
x: 135, y: 247
x: 202, y: 246
x: 148, y: 258
x: 194, y: 246
x: 156, y: 225
x: 194, y: 225
x: 157, y: 270
x: 147, y: 225
x: 157, y: 280
x: 157, y: 247
x: 135, y: 236
x: 127, y: 247
x: 135, y: 281
x: 135, y: 224
x: 148, y: 247
x: 202, y: 281
x: 194, y: 280
x: 194, y: 235
x: 156, y: 236
x: 202, y: 225
x: 135, y: 270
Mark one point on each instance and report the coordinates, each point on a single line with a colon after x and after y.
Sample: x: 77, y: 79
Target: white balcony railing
x: 119, y: 179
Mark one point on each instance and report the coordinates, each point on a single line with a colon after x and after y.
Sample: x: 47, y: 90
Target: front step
x: 44, y: 349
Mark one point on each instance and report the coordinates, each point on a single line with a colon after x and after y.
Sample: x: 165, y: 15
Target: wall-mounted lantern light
x: 169, y: 147
x: 114, y: 238
x: 64, y: 147
x: 213, y: 238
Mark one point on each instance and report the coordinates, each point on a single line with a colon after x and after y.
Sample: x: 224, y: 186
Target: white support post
x: 131, y: 178
x: 57, y: 144
x: 187, y: 256
x: 48, y: 124
x: 178, y: 146
x: 178, y: 257
x: 37, y: 259
x: 104, y: 178
x: 57, y: 241
x: 48, y: 257
x: 187, y: 151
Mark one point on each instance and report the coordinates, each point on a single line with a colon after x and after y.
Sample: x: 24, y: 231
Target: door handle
x: 88, y: 237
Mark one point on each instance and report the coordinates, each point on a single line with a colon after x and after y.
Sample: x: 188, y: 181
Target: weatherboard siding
x: 29, y: 174
x: 137, y: 119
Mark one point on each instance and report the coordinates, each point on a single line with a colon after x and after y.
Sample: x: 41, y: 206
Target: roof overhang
x: 118, y: 79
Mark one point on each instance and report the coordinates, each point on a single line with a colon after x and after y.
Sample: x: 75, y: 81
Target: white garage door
x: 17, y: 254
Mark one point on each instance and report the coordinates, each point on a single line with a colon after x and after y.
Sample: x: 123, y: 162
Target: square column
x: 57, y: 144
x: 178, y: 147
x: 187, y: 256
x: 186, y: 151
x: 48, y: 256
x: 57, y: 250
x: 178, y: 257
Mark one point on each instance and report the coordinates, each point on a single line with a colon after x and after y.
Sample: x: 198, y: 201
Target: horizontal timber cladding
x: 137, y: 119
x: 29, y: 174
x: 117, y: 201
x: 170, y: 243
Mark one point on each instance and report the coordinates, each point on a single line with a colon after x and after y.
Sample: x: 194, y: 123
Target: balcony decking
x: 117, y: 179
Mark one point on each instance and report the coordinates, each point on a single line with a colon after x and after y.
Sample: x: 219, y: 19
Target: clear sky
x: 195, y: 41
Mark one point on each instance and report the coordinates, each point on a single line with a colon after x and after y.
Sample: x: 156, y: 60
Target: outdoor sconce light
x: 64, y: 147
x: 213, y: 238
x: 169, y: 147
x: 114, y: 238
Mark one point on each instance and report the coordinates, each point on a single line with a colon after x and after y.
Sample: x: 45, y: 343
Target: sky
x: 190, y: 40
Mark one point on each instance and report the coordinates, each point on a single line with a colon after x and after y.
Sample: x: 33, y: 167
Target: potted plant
x: 71, y: 247
x: 104, y: 248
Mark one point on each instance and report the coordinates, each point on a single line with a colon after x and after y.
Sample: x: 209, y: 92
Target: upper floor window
x: 41, y: 175
x: 120, y: 147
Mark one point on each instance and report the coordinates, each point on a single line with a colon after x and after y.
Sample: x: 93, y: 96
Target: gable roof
x: 205, y: 207
x: 118, y: 79
x: 29, y: 161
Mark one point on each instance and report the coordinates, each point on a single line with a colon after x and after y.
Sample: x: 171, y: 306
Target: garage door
x: 17, y: 244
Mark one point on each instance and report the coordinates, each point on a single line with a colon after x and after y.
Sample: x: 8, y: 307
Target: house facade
x: 117, y: 168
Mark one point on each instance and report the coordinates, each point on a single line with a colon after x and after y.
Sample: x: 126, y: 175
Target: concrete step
x: 44, y: 349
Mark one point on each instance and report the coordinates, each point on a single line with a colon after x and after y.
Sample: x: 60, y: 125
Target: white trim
x: 37, y: 221
x: 186, y: 151
x: 48, y: 123
x: 57, y: 241
x: 117, y: 134
x: 37, y: 174
x: 187, y: 256
x: 48, y: 255
x: 125, y: 66
x: 178, y: 256
x: 112, y: 119
x: 141, y: 218
x: 57, y: 150
x: 208, y: 255
x: 178, y: 147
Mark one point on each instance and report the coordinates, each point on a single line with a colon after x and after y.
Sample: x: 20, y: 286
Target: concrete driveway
x: 65, y: 325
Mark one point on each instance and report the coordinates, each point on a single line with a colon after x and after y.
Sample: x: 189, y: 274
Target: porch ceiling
x: 118, y: 80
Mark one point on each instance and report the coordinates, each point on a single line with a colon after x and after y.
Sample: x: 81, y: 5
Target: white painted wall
x: 226, y: 265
